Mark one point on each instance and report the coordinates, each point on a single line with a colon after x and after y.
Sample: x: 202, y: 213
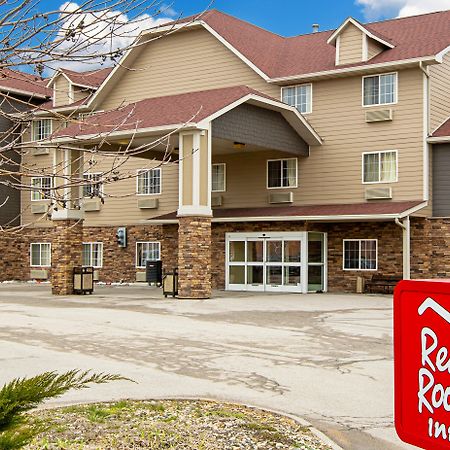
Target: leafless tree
x: 91, y: 36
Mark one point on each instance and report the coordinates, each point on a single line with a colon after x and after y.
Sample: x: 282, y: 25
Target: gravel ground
x: 181, y: 425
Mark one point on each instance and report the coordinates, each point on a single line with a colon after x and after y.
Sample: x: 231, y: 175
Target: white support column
x: 406, y: 228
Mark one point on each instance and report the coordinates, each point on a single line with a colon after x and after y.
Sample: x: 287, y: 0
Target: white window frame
x: 310, y: 109
x: 379, y: 91
x: 146, y: 242
x: 34, y: 125
x: 359, y: 269
x: 379, y: 166
x: 282, y: 187
x: 139, y: 171
x: 91, y: 174
x: 40, y: 254
x: 224, y: 177
x: 91, y: 245
x: 39, y: 191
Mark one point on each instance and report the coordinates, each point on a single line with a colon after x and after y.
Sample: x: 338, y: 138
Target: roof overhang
x: 332, y: 39
x: 306, y: 218
x: 9, y: 90
x: 438, y: 139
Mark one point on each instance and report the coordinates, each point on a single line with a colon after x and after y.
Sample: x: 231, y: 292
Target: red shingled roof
x: 443, y: 130
x: 23, y: 82
x: 354, y: 209
x: 276, y: 56
x: 92, y: 78
x: 160, y: 111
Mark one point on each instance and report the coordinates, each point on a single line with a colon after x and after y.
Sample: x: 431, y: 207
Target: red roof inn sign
x: 422, y: 363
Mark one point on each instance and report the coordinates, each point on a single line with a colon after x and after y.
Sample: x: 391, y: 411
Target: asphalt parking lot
x: 324, y: 357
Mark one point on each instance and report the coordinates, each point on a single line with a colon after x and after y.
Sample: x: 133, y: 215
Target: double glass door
x: 274, y: 262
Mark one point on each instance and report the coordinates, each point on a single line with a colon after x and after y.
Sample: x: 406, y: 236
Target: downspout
x: 426, y: 131
x: 406, y: 227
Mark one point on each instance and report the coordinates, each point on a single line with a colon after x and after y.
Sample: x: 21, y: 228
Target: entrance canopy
x: 239, y: 113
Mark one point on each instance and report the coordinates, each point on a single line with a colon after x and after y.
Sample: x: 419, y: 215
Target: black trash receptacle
x: 153, y: 272
x: 83, y: 280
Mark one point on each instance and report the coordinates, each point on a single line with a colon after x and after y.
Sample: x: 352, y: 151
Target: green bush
x: 23, y: 394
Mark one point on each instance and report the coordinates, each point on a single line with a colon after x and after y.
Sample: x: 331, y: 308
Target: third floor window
x: 149, y: 181
x: 299, y: 96
x: 380, y: 89
x: 42, y: 129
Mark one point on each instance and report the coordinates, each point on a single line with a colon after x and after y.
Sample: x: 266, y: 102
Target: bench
x: 382, y: 283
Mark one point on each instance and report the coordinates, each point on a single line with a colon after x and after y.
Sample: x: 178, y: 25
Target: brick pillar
x: 66, y: 254
x: 194, y: 257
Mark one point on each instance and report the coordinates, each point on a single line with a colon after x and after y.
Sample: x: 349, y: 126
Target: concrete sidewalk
x: 324, y: 357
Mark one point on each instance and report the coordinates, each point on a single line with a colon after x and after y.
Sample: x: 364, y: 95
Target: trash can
x: 170, y: 283
x: 153, y: 272
x: 83, y: 280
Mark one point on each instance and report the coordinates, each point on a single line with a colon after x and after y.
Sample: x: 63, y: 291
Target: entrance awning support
x: 406, y: 227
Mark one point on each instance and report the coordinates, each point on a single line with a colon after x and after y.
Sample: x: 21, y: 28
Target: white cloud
x: 102, y: 32
x: 374, y: 9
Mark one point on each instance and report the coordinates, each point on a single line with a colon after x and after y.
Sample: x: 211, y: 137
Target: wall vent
x: 37, y: 151
x: 216, y: 200
x: 141, y: 277
x: 92, y: 204
x: 379, y: 193
x: 382, y: 115
x: 281, y: 197
x: 39, y: 208
x: 38, y: 274
x: 148, y: 203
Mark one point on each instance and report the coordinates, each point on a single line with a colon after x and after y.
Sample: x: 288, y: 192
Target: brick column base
x: 66, y: 254
x: 194, y: 257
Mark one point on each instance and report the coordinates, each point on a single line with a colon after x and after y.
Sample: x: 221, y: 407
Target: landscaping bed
x: 170, y: 424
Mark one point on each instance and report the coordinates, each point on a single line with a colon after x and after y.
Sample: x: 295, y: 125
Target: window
x: 41, y: 188
x: 282, y: 173
x: 380, y: 89
x: 218, y: 177
x: 360, y: 254
x: 298, y: 96
x: 380, y: 167
x: 149, y: 182
x: 93, y: 254
x: 40, y: 255
x: 94, y: 188
x: 42, y: 129
x: 147, y: 251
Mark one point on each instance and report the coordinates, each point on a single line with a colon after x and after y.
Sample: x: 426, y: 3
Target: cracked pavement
x: 324, y: 357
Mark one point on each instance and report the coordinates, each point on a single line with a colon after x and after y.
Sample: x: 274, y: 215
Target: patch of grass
x: 226, y: 413
x: 96, y: 414
x: 155, y: 407
x: 255, y: 426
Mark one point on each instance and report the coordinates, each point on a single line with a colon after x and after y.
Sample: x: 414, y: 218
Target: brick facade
x: 66, y: 254
x: 430, y: 248
x: 194, y: 257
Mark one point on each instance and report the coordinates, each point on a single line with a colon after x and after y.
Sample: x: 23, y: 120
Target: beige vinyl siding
x: 121, y: 201
x: 439, y: 93
x: 374, y: 48
x: 183, y: 62
x: 80, y: 93
x: 61, y: 91
x: 350, y: 45
x: 333, y: 172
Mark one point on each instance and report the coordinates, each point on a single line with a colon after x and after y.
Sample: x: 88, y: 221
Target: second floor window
x: 92, y: 187
x: 41, y: 188
x: 149, y: 182
x: 93, y: 254
x: 218, y: 177
x: 282, y: 173
x: 298, y: 96
x: 147, y: 251
x: 380, y: 89
x: 40, y: 254
x: 380, y: 167
x: 42, y: 129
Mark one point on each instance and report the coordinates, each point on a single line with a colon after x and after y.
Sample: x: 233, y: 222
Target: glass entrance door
x: 275, y: 262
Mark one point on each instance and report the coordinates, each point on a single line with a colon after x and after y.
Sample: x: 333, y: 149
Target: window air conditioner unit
x: 148, y: 203
x: 37, y: 151
x: 381, y: 115
x: 39, y: 208
x: 379, y: 193
x: 38, y: 274
x: 216, y: 200
x: 92, y: 204
x: 281, y: 197
x: 141, y: 277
